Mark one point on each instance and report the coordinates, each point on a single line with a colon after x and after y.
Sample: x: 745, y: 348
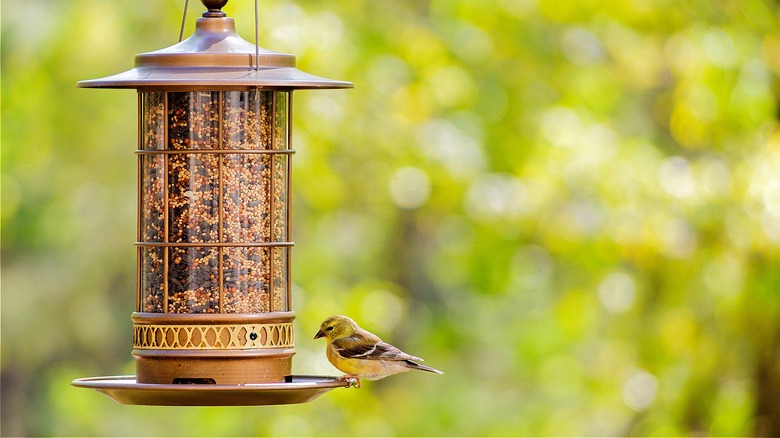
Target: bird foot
x: 354, y: 382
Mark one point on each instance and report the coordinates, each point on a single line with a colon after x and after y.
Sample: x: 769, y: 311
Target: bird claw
x: 353, y: 382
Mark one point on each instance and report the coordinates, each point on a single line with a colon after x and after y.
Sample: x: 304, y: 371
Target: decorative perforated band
x: 213, y: 337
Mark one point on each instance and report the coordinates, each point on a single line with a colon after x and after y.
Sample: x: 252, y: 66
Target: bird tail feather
x: 417, y: 366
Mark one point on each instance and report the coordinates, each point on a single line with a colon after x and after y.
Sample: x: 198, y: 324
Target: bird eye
x: 329, y: 328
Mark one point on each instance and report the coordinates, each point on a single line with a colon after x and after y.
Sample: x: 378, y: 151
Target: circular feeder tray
x: 295, y: 389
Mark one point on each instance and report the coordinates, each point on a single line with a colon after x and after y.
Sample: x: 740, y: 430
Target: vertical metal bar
x: 272, y: 207
x: 139, y: 214
x: 221, y: 216
x: 166, y: 205
x: 288, y: 196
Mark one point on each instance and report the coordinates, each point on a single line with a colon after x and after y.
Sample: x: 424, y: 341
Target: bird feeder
x: 213, y: 323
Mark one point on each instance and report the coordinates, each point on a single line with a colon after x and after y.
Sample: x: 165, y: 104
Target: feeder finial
x: 214, y: 8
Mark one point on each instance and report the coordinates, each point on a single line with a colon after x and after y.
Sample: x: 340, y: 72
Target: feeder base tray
x: 295, y: 389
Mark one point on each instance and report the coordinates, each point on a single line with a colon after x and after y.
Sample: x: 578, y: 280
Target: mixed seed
x: 218, y: 204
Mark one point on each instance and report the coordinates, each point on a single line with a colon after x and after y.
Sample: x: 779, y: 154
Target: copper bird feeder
x: 213, y: 323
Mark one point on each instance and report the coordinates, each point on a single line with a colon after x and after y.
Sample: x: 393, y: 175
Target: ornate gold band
x: 213, y: 337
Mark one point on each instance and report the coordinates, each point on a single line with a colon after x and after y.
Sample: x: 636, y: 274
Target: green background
x: 570, y: 207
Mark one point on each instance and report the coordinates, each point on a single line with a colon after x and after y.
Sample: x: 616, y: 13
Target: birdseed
x: 211, y: 197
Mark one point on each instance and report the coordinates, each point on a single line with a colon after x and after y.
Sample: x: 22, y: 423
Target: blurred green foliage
x: 573, y: 208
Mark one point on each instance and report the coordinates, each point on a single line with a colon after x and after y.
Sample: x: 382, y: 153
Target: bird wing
x: 352, y: 348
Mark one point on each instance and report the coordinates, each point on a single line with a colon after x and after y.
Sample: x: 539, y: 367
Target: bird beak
x: 319, y: 334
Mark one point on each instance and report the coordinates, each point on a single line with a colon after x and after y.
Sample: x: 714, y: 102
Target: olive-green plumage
x: 362, y: 354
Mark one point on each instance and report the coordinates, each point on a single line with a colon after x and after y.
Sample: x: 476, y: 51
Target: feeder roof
x: 214, y: 57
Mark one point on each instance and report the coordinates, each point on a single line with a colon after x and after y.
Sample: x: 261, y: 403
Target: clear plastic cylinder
x: 214, y: 201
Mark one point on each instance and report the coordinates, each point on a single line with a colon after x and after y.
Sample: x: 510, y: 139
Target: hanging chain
x: 183, y: 19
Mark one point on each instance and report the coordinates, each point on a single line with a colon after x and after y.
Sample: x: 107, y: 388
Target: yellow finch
x: 361, y: 354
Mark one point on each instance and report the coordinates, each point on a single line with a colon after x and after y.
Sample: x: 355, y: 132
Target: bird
x: 361, y: 354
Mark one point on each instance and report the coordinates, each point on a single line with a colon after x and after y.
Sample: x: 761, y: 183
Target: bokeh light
x: 572, y: 208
